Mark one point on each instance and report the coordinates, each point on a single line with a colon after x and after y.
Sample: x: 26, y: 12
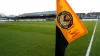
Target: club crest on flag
x: 65, y: 19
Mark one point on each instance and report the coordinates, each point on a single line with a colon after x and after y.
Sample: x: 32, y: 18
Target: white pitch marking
x: 92, y: 37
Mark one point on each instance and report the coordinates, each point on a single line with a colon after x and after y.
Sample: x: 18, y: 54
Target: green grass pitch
x: 38, y: 39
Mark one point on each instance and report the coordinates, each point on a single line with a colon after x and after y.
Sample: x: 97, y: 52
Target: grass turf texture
x: 95, y: 50
x: 38, y: 39
x: 27, y: 39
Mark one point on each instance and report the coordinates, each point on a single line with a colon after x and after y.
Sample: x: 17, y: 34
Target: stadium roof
x: 38, y: 13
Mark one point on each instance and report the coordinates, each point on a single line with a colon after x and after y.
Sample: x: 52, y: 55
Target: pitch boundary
x: 92, y: 37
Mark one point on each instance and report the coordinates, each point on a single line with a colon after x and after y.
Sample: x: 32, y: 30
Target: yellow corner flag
x: 68, y: 22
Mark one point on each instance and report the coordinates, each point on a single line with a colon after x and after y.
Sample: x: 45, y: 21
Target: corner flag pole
x: 61, y: 43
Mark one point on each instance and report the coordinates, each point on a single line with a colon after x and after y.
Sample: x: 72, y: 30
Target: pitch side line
x: 92, y: 37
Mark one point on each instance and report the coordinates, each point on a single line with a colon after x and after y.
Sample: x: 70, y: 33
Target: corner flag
x: 68, y: 26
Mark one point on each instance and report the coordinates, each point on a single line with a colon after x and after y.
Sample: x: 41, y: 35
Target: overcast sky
x: 16, y: 7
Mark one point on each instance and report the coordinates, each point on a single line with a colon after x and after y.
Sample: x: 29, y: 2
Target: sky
x: 17, y: 7
x: 85, y: 5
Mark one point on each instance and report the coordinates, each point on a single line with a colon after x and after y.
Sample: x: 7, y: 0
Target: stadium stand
x: 49, y: 15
